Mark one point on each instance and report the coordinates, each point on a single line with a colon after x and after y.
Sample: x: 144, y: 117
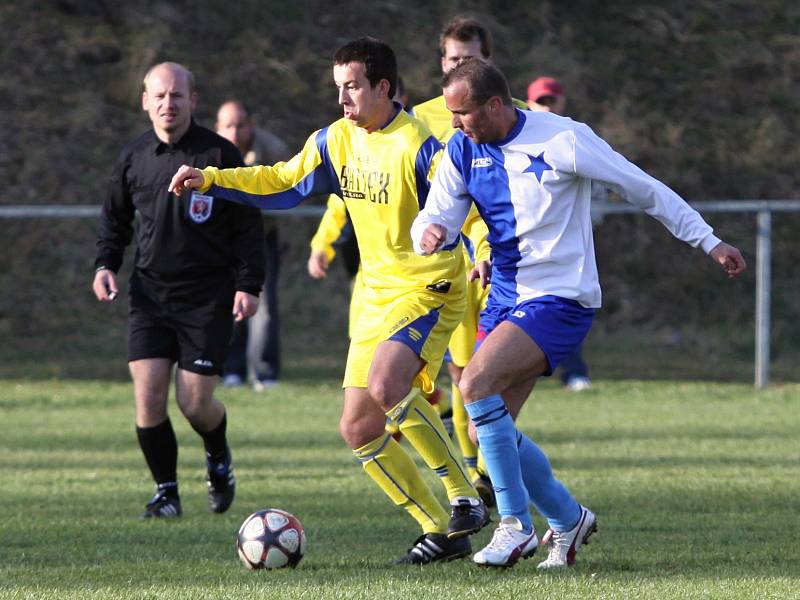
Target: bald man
x: 199, y: 264
x: 255, y: 351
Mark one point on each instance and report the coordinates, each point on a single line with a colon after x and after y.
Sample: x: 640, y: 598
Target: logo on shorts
x: 200, y: 207
x: 519, y: 314
x: 399, y: 324
x: 414, y: 334
x: 441, y: 287
x: 201, y: 362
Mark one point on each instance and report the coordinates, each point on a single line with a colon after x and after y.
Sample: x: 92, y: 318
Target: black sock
x: 160, y: 449
x: 215, y: 441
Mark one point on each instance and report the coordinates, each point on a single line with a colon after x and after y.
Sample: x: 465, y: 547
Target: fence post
x: 763, y: 259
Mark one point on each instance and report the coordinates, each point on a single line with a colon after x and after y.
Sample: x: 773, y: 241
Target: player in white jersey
x: 530, y: 176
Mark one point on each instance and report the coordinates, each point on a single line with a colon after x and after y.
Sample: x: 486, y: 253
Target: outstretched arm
x: 280, y: 186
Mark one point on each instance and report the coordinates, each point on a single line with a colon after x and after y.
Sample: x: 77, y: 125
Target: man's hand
x: 105, y: 285
x: 318, y: 264
x: 481, y: 271
x: 185, y: 179
x: 432, y: 238
x: 244, y: 305
x: 730, y: 258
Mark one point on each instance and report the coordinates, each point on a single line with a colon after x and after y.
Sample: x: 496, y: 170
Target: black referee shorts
x: 196, y: 336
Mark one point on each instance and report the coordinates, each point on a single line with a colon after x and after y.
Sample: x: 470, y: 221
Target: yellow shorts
x: 462, y: 344
x: 356, y: 301
x: 419, y: 318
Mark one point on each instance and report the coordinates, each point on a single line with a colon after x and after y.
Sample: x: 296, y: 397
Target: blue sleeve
x: 422, y: 167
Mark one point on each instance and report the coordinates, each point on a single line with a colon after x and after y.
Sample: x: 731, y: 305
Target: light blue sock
x: 550, y: 497
x: 497, y: 437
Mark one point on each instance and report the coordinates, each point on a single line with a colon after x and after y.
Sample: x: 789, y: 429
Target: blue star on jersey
x: 538, y: 166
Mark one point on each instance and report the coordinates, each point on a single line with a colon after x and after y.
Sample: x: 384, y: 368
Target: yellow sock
x: 392, y: 469
x: 423, y: 429
x: 392, y: 427
x: 439, y: 400
x: 461, y: 427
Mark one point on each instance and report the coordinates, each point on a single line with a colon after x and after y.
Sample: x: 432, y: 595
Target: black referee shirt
x: 187, y: 246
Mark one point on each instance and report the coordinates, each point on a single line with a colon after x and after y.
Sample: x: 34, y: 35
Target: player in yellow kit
x: 461, y: 39
x: 380, y: 160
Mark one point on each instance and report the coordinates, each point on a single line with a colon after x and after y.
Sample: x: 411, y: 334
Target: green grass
x: 695, y: 487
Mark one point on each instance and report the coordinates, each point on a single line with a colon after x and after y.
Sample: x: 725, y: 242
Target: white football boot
x: 509, y: 544
x: 564, y: 545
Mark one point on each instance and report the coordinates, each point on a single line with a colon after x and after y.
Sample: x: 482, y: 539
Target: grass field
x: 695, y: 486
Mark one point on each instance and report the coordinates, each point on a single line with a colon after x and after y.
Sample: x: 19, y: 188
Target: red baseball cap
x: 544, y: 86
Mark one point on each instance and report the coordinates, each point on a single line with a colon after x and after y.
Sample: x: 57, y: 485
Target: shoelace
x: 503, y: 536
x: 559, y: 544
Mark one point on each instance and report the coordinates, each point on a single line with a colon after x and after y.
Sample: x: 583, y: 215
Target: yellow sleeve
x: 435, y: 160
x: 477, y: 231
x: 282, y: 185
x: 330, y: 227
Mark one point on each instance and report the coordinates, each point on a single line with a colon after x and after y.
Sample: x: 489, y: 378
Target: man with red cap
x: 545, y: 94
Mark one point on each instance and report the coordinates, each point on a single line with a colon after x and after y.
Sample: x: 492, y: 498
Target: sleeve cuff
x: 330, y: 253
x: 253, y: 291
x: 710, y: 242
x: 208, y: 179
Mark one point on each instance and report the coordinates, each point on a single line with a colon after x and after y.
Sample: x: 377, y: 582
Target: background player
x: 463, y: 38
x: 255, y: 346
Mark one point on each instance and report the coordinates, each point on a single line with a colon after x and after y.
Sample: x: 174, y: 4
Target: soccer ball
x: 271, y: 539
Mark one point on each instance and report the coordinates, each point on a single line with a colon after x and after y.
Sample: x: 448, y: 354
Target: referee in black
x: 199, y: 263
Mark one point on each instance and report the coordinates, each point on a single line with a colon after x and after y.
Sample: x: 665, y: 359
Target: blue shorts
x: 557, y: 325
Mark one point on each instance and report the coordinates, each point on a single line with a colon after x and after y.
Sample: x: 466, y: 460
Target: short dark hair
x: 377, y: 56
x: 466, y: 29
x: 483, y: 79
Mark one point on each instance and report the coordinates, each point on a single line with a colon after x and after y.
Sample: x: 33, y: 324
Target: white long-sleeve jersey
x: 533, y: 190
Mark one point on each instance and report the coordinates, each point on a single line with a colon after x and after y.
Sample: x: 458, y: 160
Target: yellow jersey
x: 439, y: 120
x: 330, y: 227
x: 383, y: 178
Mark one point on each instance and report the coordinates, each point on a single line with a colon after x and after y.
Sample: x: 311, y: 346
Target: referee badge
x: 200, y: 207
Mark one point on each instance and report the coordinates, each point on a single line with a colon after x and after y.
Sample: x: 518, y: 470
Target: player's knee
x: 470, y: 387
x: 384, y: 393
x: 359, y: 432
x: 151, y: 407
x: 195, y: 407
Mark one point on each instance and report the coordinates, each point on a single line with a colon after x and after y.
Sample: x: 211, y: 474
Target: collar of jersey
x: 159, y: 146
x: 514, y: 130
x: 398, y: 108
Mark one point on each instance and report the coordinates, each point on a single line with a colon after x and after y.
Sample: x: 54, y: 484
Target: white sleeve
x: 448, y: 204
x: 595, y: 159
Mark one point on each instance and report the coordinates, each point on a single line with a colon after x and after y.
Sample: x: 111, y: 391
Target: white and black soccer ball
x: 271, y: 539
